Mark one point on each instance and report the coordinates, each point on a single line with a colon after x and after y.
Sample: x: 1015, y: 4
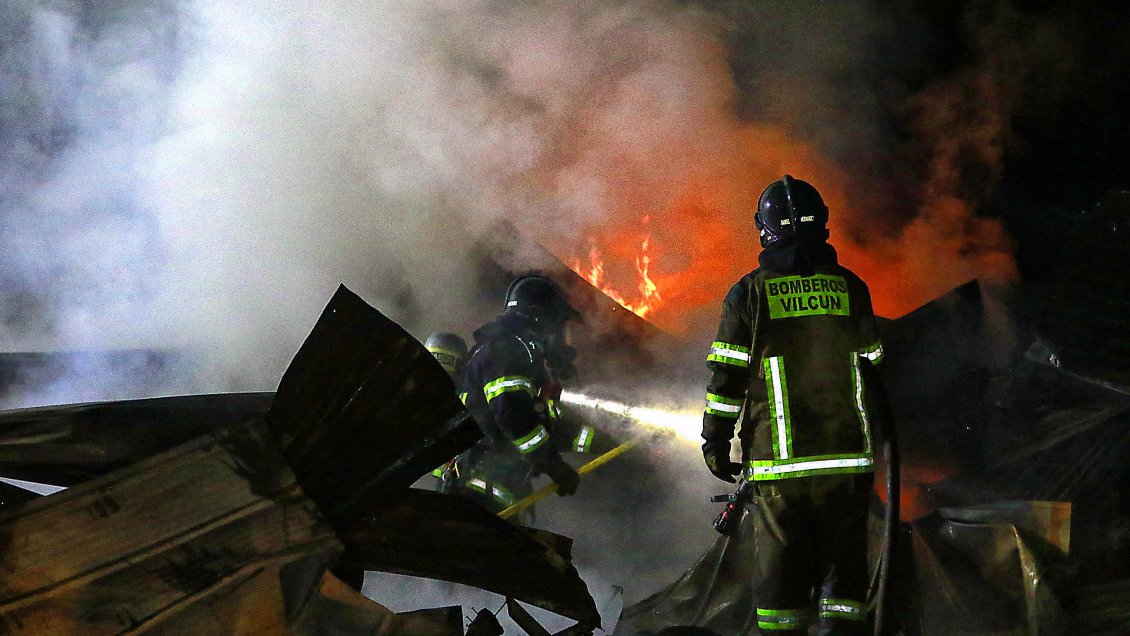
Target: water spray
x: 685, y: 424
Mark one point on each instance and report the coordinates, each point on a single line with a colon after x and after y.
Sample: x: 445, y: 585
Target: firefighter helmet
x: 449, y: 350
x: 791, y: 207
x: 540, y: 299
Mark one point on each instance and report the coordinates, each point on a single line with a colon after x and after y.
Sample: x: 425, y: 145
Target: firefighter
x: 795, y: 343
x: 511, y: 386
x: 450, y: 351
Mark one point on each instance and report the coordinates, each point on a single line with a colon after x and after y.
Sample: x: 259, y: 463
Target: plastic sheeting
x: 432, y: 535
x: 716, y: 593
x: 990, y: 570
x: 1015, y: 483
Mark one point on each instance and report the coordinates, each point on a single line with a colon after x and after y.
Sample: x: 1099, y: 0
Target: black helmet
x: 449, y: 350
x: 539, y: 299
x: 791, y: 207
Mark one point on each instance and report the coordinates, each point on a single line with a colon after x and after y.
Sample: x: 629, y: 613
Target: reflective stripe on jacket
x: 786, y: 365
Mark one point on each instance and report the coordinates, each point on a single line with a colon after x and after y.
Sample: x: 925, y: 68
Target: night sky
x: 1066, y: 129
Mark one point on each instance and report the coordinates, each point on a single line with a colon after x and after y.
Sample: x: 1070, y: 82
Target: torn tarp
x: 214, y: 535
x: 364, y: 410
x: 432, y: 535
x: 336, y: 609
x: 1007, y: 449
x: 992, y: 570
x: 716, y: 593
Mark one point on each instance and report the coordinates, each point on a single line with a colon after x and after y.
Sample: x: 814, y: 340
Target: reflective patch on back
x: 817, y: 295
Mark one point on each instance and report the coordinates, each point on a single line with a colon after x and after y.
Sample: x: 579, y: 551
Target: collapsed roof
x: 221, y: 513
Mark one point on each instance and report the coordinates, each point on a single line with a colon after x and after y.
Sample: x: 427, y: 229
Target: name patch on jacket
x: 793, y: 296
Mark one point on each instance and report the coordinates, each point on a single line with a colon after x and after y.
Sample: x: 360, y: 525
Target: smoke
x: 199, y: 176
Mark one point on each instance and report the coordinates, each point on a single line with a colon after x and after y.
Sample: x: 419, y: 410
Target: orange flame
x: 649, y: 298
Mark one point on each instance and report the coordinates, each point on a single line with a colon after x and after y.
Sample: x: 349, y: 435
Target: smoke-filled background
x: 196, y: 177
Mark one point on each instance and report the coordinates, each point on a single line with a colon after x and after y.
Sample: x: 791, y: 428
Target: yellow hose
x: 545, y: 491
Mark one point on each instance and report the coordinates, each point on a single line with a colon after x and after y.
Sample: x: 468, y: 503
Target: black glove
x: 564, y: 476
x: 717, y: 458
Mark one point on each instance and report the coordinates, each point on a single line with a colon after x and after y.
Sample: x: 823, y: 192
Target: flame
x: 649, y: 298
x: 699, y: 218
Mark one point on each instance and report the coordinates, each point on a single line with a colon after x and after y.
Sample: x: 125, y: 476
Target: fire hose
x: 881, y: 582
x: 549, y: 489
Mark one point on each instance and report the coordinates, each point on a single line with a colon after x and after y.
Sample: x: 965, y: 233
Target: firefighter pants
x: 811, y: 543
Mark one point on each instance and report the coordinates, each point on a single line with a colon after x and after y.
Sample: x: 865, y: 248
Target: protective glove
x: 564, y: 476
x: 718, y: 461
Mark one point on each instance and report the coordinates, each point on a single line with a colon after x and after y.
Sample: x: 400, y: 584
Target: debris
x: 219, y: 514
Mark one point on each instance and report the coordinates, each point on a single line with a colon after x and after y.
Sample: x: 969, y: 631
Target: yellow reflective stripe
x: 444, y: 352
x: 499, y: 493
x: 860, y: 406
x: 584, y: 439
x: 781, y: 619
x: 874, y: 353
x: 770, y: 469
x: 506, y: 384
x: 723, y: 406
x: 532, y: 440
x: 446, y: 358
x: 842, y: 608
x: 463, y: 398
x: 779, y: 407
x: 551, y: 409
x: 727, y: 353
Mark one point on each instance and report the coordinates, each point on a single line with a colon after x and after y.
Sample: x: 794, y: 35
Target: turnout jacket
x: 504, y: 387
x: 786, y: 363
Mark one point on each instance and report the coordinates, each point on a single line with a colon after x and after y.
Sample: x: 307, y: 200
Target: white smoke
x: 232, y: 162
x: 199, y: 176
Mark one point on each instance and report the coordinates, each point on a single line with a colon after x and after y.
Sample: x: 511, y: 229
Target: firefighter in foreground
x: 511, y: 387
x: 796, y: 337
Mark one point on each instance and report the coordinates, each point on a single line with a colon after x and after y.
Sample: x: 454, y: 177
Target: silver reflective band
x: 487, y: 489
x: 875, y: 354
x: 583, y: 439
x: 506, y: 384
x: 726, y: 408
x: 512, y: 303
x: 779, y: 403
x: 730, y: 353
x: 842, y: 608
x: 807, y: 219
x: 820, y: 464
x: 860, y: 407
x: 532, y: 441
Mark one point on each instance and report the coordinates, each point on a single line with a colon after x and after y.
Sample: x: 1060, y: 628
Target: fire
x: 649, y: 297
